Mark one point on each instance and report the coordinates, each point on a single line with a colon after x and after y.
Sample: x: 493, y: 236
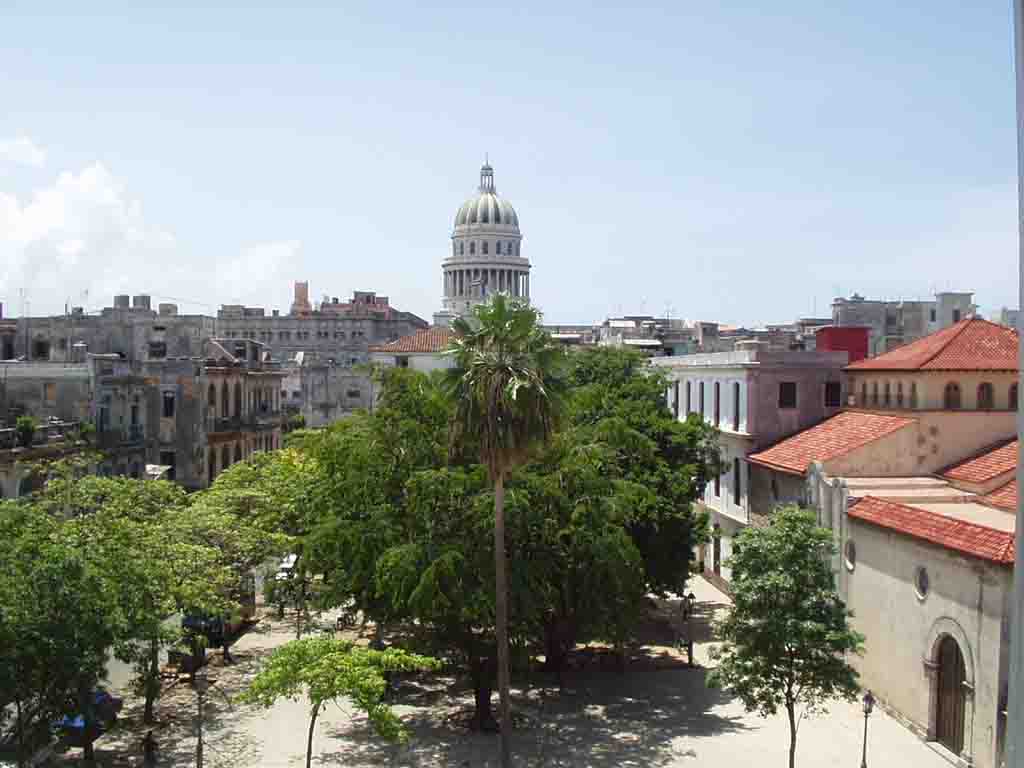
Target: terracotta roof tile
x: 970, y: 345
x: 949, y: 532
x: 1003, y: 497
x: 985, y: 466
x: 833, y: 437
x: 426, y: 340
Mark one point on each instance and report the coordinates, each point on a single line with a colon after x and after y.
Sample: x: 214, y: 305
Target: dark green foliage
x: 25, y: 428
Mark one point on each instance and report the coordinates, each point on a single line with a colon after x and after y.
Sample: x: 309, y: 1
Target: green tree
x: 786, y: 638
x: 25, y: 428
x: 507, y: 401
x: 324, y: 669
x: 58, y: 605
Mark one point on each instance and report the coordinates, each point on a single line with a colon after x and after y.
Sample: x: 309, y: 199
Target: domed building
x: 485, y: 257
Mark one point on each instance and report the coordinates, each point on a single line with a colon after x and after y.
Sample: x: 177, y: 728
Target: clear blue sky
x: 720, y: 161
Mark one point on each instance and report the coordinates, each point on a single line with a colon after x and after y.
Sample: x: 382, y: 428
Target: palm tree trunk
x: 501, y: 619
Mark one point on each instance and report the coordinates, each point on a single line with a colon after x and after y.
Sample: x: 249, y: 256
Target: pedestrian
x: 149, y: 750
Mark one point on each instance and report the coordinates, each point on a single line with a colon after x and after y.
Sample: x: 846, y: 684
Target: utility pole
x: 1015, y: 713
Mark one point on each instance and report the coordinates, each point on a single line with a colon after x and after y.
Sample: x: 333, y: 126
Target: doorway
x: 949, y: 715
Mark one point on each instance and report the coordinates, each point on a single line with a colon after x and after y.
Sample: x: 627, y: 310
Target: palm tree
x: 507, y: 391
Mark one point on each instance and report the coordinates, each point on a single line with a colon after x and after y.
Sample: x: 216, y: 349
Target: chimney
x: 141, y: 302
x: 121, y: 301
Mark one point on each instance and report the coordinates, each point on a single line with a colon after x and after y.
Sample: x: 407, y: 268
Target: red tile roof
x: 1003, y: 497
x: 985, y: 466
x: 833, y: 437
x: 970, y: 345
x: 426, y: 340
x: 949, y: 532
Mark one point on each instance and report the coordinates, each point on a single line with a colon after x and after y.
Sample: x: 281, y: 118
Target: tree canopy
x: 324, y: 669
x: 786, y: 639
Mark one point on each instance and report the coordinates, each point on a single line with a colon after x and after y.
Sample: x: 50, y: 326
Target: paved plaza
x: 658, y: 713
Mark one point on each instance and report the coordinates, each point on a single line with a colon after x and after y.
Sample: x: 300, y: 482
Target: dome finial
x: 486, y: 177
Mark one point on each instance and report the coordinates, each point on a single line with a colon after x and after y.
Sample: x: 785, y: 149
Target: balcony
x: 125, y: 437
x: 52, y: 434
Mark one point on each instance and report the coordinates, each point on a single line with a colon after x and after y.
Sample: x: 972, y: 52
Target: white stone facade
x: 485, y: 256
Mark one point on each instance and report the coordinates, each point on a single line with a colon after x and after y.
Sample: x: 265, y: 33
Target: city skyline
x: 726, y: 165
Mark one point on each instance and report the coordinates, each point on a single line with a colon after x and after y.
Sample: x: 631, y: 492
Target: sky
x: 739, y: 162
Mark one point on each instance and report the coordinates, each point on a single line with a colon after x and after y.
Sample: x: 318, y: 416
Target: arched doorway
x: 949, y: 712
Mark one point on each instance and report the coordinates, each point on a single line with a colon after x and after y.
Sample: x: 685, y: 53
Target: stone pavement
x: 658, y: 713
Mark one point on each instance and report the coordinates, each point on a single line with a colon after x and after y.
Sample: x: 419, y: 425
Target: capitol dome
x: 486, y: 210
x: 485, y: 258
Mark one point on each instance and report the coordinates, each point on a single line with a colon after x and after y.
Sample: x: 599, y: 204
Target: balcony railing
x: 109, y: 439
x: 44, y: 435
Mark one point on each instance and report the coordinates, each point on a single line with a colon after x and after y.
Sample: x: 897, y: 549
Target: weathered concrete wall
x: 45, y: 390
x: 966, y: 599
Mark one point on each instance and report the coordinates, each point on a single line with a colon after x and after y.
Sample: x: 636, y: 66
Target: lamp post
x: 869, y: 705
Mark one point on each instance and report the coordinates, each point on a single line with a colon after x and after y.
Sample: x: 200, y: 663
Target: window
x: 913, y: 394
x: 874, y: 393
x: 718, y: 403
x: 718, y: 485
x: 462, y: 249
x: 497, y: 248
x: 863, y: 393
x: 483, y: 247
x: 921, y: 582
x: 675, y: 399
x: 899, y: 394
x: 986, y: 396
x: 931, y: 314
x: 735, y: 406
x: 508, y: 247
x: 737, y: 482
x: 472, y: 247
x: 1012, y: 401
x: 951, y: 396
x: 851, y: 555
x: 956, y: 315
x: 168, y: 411
x: 353, y: 393
x: 167, y: 459
x: 50, y: 393
x: 225, y: 458
x: 700, y: 398
x: 787, y: 394
x: 888, y: 394
x: 689, y: 408
x: 833, y: 394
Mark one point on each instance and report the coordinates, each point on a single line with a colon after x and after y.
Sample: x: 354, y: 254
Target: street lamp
x: 869, y: 705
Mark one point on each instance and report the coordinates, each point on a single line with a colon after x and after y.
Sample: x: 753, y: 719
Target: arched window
x: 238, y: 400
x: 211, y: 397
x: 462, y: 249
x: 888, y: 394
x: 483, y: 247
x: 899, y: 394
x: 225, y: 401
x: 913, y: 394
x: 1012, y: 402
x: 986, y: 396
x: 951, y: 397
x: 863, y: 394
x: 874, y: 393
x: 212, y: 461
x: 225, y: 458
x: 472, y: 247
x: 238, y: 452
